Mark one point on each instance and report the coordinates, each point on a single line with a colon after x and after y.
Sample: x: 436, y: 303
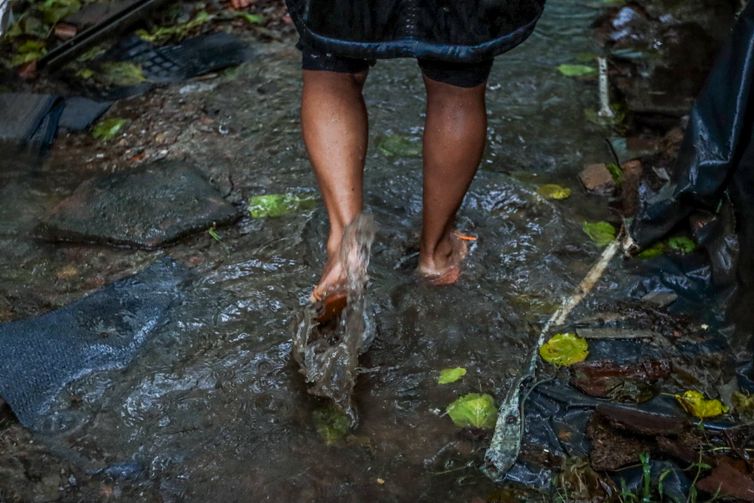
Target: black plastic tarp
x: 715, y: 165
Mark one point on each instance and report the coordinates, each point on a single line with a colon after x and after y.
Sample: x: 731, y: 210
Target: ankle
x: 436, y: 255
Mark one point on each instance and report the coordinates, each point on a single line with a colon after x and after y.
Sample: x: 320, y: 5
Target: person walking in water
x: 454, y: 42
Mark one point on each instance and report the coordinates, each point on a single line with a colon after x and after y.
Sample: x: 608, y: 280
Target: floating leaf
x: 577, y: 70
x: 564, y: 349
x: 601, y: 233
x: 695, y: 404
x: 474, y: 410
x: 107, y: 129
x: 399, y: 146
x: 554, y: 191
x: 121, y: 73
x: 331, y: 424
x: 277, y: 205
x: 681, y: 244
x: 448, y: 376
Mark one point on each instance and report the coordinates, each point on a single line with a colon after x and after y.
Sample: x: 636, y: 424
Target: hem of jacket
x: 403, y: 48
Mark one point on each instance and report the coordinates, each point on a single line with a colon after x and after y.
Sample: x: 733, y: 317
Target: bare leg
x: 334, y: 126
x: 454, y: 138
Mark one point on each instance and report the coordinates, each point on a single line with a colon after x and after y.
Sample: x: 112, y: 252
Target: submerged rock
x: 146, y: 208
x: 597, y: 179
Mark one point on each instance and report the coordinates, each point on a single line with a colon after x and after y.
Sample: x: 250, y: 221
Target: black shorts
x: 455, y: 74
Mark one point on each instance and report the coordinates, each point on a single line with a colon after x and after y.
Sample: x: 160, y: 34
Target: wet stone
x: 597, y: 179
x: 623, y: 382
x: 729, y: 478
x: 146, y: 208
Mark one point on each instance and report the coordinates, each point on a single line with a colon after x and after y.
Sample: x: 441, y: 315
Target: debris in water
x: 474, y: 410
x: 448, y: 376
x: 564, y: 349
x: 695, y: 404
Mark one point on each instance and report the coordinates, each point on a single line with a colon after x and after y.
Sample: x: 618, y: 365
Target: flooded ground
x: 213, y: 408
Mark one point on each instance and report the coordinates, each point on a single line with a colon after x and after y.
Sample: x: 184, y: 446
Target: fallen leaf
x: 695, y: 404
x: 681, y: 244
x: 554, y: 191
x: 331, y: 424
x: 601, y: 233
x: 564, y: 349
x: 277, y: 205
x: 107, y: 129
x: 474, y: 410
x: 448, y: 376
x: 577, y: 70
x: 399, y: 146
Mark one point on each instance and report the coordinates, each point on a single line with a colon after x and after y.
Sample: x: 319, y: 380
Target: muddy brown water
x: 213, y: 409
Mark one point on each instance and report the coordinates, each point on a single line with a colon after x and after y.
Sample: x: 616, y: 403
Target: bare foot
x: 444, y: 267
x: 345, y: 272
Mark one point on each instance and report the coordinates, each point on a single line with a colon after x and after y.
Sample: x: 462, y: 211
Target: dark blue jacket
x: 446, y: 30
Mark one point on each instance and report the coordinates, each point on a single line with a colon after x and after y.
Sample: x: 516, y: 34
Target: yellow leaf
x: 564, y: 349
x: 695, y: 404
x: 554, y: 191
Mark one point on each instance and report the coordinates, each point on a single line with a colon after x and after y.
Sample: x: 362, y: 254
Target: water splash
x: 328, y: 353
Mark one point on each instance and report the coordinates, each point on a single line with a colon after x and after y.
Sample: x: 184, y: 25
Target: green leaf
x: 681, y: 244
x: 616, y: 172
x: 251, y: 18
x: 331, y: 424
x: 653, y: 251
x: 85, y: 73
x: 474, y: 410
x: 121, y: 73
x: 107, y: 129
x: 577, y: 70
x: 399, y: 146
x: 554, y: 191
x: 54, y: 10
x: 564, y: 349
x: 277, y: 205
x: 30, y: 50
x: 162, y: 34
x: 448, y: 376
x: 601, y: 233
x: 212, y: 231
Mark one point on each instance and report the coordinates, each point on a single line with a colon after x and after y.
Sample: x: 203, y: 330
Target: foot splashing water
x: 328, y: 352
